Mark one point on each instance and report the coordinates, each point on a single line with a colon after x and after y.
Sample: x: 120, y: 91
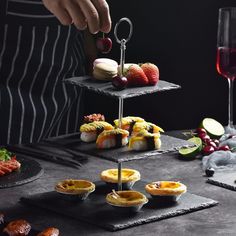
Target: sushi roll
x: 128, y: 122
x: 145, y: 141
x: 150, y: 127
x: 90, y: 131
x: 112, y: 138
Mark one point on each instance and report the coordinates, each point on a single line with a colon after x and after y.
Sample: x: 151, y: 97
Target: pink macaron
x: 106, y: 61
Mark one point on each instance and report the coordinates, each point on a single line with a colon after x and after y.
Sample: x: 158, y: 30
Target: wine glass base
x: 230, y: 129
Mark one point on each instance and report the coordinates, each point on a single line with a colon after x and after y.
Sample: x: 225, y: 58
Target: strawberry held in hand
x: 135, y: 76
x: 152, y: 72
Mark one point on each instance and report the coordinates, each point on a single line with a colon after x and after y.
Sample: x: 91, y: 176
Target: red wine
x: 226, y: 62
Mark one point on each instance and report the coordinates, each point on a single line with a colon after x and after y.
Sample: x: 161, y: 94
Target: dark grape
x: 104, y: 45
x: 210, y: 172
x: 216, y: 141
x: 204, y: 137
x: 211, y: 143
x: 224, y: 148
x: 201, y: 131
x: 207, y: 150
x: 119, y: 82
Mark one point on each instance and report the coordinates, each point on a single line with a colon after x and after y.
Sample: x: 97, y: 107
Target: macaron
x: 104, y: 71
x: 105, y: 60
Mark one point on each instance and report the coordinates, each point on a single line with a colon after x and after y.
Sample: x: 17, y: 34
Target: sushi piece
x: 150, y: 127
x: 112, y: 138
x: 128, y: 122
x: 90, y: 131
x: 145, y: 141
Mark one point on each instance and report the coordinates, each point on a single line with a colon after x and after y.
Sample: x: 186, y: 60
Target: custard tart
x: 128, y: 177
x: 79, y: 188
x: 126, y: 200
x: 166, y: 190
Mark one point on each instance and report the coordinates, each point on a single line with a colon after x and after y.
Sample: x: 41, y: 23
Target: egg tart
x: 166, y: 190
x: 128, y: 177
x: 77, y: 188
x: 126, y: 200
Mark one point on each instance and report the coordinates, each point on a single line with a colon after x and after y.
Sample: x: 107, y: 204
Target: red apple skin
x: 104, y: 45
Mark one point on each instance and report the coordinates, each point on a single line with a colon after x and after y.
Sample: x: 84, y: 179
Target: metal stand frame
x: 122, y: 43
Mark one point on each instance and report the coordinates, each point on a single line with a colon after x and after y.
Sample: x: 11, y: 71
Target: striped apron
x: 36, y: 54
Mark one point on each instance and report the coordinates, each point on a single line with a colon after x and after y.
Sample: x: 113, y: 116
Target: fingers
x: 77, y: 16
x: 104, y: 15
x: 94, y: 13
x: 91, y: 14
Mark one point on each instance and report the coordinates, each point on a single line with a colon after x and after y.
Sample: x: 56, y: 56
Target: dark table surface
x: 218, y: 220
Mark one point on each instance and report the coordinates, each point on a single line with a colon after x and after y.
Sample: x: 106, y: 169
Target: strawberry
x: 136, y: 76
x: 152, y: 72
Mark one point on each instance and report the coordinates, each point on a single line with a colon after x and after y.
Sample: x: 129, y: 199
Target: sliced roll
x: 145, y: 141
x: 150, y: 127
x: 90, y: 131
x: 128, y: 122
x: 112, y: 139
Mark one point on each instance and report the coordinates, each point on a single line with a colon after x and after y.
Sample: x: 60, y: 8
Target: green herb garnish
x: 5, y: 155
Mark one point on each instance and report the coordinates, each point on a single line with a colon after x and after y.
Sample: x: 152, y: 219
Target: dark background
x: 180, y: 38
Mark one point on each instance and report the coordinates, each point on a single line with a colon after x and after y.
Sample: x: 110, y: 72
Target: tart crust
x: 73, y: 186
x: 163, y: 188
x: 127, y: 175
x: 126, y: 198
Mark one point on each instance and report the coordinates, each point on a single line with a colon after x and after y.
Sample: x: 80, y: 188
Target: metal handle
x: 130, y: 30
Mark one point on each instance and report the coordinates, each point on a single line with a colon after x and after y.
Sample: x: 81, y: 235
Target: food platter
x: 29, y: 171
x: 95, y: 210
x: 123, y: 154
x: 106, y: 88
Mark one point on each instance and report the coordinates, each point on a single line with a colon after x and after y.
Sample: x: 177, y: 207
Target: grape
x: 119, y: 82
x: 204, y: 137
x: 201, y: 131
x: 210, y: 172
x: 207, y: 150
x: 216, y: 141
x: 224, y: 148
x: 213, y: 144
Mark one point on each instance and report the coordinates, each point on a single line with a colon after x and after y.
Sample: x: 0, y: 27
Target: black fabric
x: 36, y: 54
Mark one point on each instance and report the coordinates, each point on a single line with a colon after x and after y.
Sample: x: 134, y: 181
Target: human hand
x: 93, y: 14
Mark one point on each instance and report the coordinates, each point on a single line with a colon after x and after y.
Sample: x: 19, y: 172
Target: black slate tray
x: 95, y: 210
x: 225, y: 179
x: 70, y: 150
x: 118, y: 155
x: 30, y: 170
x: 106, y: 88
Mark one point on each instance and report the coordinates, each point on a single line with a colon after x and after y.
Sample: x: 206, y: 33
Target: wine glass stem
x: 230, y: 108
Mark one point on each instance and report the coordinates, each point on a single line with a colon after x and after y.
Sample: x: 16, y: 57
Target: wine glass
x: 226, y: 55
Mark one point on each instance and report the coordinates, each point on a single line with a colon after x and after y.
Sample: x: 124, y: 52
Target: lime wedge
x: 212, y: 127
x: 192, y: 151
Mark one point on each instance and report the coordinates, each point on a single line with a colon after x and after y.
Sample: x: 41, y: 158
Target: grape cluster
x: 209, y: 145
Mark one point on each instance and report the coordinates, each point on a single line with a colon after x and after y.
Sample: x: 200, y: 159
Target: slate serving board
x: 225, y: 179
x: 30, y: 170
x: 95, y: 210
x: 106, y: 88
x: 118, y: 155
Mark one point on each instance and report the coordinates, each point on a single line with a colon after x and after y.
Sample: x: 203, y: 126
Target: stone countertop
x: 212, y: 221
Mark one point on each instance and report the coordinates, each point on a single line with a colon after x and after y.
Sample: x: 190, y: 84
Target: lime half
x: 212, y: 127
x: 192, y: 151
